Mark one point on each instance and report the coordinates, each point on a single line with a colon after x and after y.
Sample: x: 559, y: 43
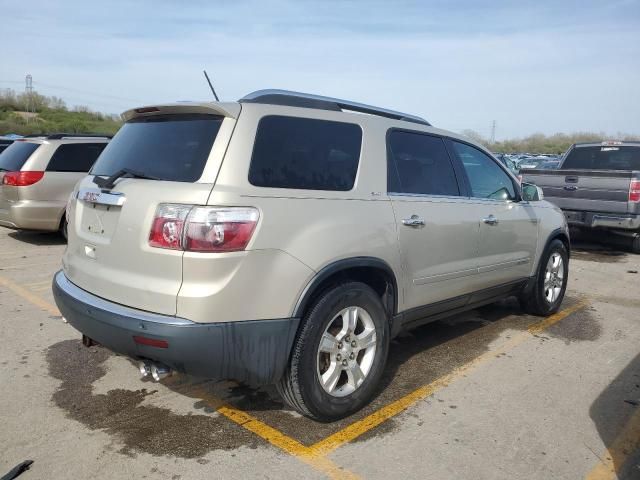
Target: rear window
x: 305, y: 153
x: 603, y: 158
x: 167, y: 147
x: 16, y: 154
x: 75, y: 157
x: 4, y: 144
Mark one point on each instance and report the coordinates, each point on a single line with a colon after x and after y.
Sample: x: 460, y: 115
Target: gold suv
x: 286, y: 238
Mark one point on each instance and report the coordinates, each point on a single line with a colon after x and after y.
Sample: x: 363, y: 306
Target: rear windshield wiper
x: 125, y: 172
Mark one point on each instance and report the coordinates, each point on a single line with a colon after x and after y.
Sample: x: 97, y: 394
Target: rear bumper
x: 255, y: 352
x: 602, y: 220
x: 31, y: 215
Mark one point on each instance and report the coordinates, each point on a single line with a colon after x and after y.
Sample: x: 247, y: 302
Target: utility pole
x: 493, y: 132
x: 28, y: 90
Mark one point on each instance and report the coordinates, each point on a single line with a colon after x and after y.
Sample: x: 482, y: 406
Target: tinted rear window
x: 305, y: 153
x: 604, y: 158
x: 75, y: 157
x: 168, y: 147
x: 14, y: 157
x: 4, y: 144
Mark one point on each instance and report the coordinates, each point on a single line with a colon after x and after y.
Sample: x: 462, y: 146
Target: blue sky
x: 546, y: 66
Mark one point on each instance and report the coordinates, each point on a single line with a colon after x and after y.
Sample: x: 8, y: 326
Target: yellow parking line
x: 614, y: 457
x: 371, y: 421
x: 28, y: 296
x: 243, y: 419
x: 28, y: 265
x: 315, y: 455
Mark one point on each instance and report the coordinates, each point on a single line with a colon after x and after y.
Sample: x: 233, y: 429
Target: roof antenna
x: 210, y: 85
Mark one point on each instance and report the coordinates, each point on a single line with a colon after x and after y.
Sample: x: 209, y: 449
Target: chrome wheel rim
x: 346, y: 351
x: 553, y: 277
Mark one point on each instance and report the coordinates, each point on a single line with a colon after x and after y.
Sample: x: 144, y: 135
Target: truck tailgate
x: 586, y: 190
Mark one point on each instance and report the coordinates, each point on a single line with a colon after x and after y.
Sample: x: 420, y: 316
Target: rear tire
x: 550, y: 283
x: 338, y: 355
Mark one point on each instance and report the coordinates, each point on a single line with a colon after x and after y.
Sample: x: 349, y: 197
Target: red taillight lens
x: 634, y: 191
x: 167, y: 228
x: 22, y: 179
x: 203, y: 229
x: 215, y: 229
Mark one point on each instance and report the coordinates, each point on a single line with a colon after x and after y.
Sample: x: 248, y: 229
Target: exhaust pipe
x: 145, y: 369
x: 157, y: 371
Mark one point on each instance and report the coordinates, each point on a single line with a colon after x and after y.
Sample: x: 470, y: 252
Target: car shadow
x: 599, y: 246
x: 617, y: 406
x: 416, y: 358
x: 38, y: 238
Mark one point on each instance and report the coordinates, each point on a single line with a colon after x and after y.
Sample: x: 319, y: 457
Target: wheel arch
x: 557, y: 234
x: 372, y: 271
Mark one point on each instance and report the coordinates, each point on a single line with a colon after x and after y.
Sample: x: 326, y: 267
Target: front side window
x: 419, y: 164
x: 486, y: 178
x: 304, y: 153
x: 75, y: 157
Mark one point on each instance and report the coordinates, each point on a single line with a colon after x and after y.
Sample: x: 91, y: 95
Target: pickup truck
x: 597, y: 185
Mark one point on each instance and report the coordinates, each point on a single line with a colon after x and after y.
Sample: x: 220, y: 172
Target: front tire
x: 635, y: 244
x: 339, y: 354
x: 550, y: 283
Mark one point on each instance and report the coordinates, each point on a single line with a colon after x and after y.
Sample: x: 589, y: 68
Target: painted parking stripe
x: 625, y: 444
x: 371, y: 421
x: 316, y: 454
x: 239, y: 417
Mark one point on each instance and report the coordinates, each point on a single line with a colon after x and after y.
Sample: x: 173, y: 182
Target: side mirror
x: 531, y: 192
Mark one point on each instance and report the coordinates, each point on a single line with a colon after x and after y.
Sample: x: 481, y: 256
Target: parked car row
x: 517, y: 161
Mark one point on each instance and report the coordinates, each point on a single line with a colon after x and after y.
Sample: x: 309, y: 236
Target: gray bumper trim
x: 614, y: 221
x: 252, y: 351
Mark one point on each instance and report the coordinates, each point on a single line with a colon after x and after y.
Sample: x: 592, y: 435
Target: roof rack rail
x: 307, y: 100
x: 58, y: 136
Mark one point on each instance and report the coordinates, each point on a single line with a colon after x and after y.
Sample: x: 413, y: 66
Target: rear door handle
x: 414, y: 221
x: 490, y: 220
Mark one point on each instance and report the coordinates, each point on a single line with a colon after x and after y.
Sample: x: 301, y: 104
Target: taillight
x: 22, y: 179
x: 168, y: 226
x: 216, y: 229
x: 634, y: 191
x: 202, y: 229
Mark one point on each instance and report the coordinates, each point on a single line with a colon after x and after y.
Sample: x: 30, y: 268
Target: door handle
x: 414, y: 221
x: 490, y: 220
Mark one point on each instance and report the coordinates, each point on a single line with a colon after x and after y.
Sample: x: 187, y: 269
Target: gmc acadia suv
x: 287, y: 238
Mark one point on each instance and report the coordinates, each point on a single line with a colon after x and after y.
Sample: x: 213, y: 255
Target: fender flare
x: 341, y: 265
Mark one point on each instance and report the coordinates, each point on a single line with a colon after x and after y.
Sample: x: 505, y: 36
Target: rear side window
x: 603, y: 158
x: 486, y: 178
x: 305, y: 153
x: 16, y: 154
x: 167, y: 147
x: 419, y: 164
x: 75, y: 157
